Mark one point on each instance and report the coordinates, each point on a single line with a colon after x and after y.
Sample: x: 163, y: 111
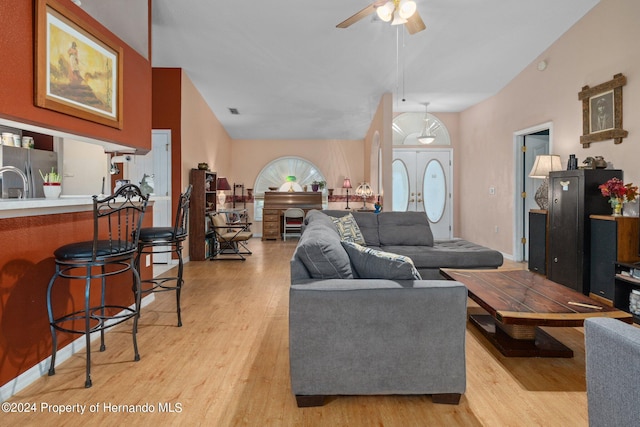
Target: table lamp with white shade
x: 544, y: 164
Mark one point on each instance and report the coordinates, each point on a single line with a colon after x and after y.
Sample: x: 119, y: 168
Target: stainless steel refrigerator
x: 29, y: 161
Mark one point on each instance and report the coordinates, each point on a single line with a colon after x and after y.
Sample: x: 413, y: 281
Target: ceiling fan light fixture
x: 385, y: 12
x: 397, y: 19
x: 406, y: 8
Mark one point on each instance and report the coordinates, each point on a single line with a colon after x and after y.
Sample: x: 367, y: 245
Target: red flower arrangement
x: 616, y: 189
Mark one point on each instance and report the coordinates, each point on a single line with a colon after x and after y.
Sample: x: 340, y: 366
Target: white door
x: 535, y: 144
x: 161, y: 152
x: 422, y: 183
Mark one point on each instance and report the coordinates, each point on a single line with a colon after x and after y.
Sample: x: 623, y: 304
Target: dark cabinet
x: 614, y: 239
x: 538, y: 241
x: 573, y: 197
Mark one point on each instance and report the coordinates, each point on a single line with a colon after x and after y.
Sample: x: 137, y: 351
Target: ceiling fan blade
x: 358, y: 16
x: 415, y: 24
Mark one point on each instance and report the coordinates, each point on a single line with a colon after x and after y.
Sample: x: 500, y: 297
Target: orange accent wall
x: 26, y: 260
x: 26, y: 266
x: 17, y: 93
x: 166, y: 102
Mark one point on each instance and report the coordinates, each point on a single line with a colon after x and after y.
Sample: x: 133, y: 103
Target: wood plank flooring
x: 228, y: 366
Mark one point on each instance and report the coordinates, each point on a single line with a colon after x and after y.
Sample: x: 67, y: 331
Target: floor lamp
x: 347, y: 184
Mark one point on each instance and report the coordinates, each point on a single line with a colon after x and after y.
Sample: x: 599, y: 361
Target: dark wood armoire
x: 573, y: 196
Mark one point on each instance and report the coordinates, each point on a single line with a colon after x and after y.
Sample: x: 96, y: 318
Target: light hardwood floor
x: 228, y: 366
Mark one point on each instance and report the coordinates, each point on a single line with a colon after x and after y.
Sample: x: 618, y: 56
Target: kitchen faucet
x: 25, y: 183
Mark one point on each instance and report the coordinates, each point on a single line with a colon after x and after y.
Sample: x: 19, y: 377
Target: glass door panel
x: 400, y: 186
x: 434, y: 188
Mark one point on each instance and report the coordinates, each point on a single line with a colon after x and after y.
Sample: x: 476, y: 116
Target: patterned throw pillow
x: 348, y: 229
x: 371, y: 263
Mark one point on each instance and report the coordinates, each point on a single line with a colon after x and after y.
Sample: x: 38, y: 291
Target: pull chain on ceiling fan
x: 401, y: 11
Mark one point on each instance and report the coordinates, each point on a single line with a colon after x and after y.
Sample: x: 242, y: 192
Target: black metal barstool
x: 156, y: 240
x: 117, y: 220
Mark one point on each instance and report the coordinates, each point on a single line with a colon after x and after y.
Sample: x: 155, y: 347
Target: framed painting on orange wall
x: 78, y: 69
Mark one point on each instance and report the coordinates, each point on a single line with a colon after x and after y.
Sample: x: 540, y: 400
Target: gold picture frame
x: 78, y: 69
x: 602, y: 112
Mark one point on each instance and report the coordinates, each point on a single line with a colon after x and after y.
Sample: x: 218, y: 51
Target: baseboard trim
x: 42, y: 368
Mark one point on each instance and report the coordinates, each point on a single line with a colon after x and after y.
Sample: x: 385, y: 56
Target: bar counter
x: 15, y: 208
x: 30, y: 230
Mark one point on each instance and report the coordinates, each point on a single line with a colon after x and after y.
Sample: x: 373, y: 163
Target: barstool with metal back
x: 117, y: 220
x: 156, y: 240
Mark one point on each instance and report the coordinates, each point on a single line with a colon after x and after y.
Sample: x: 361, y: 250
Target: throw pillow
x: 371, y: 263
x: 320, y: 251
x: 348, y: 229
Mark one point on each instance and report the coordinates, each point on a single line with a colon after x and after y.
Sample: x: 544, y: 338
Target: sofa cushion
x: 320, y: 251
x: 370, y: 263
x: 404, y: 229
x: 456, y: 253
x: 367, y: 221
x: 315, y: 215
x: 348, y: 229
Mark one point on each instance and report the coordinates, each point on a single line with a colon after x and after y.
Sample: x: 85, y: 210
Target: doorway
x: 422, y: 182
x: 529, y: 143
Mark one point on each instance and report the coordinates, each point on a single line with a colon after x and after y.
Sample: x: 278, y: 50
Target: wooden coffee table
x: 519, y: 301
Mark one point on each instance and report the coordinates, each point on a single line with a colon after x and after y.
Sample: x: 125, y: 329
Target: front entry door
x: 422, y: 183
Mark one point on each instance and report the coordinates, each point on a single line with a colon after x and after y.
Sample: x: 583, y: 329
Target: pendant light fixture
x: 426, y: 137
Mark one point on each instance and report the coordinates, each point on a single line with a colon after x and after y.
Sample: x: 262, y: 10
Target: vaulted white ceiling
x: 292, y: 74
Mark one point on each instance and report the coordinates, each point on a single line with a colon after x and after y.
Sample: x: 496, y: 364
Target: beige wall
x: 381, y: 128
x: 600, y: 45
x: 203, y: 137
x: 335, y: 159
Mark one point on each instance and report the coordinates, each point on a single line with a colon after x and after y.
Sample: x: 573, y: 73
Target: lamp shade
x: 426, y: 139
x: 407, y: 8
x: 544, y: 164
x: 291, y: 178
x: 223, y: 184
x: 364, y: 190
x: 346, y: 183
x: 385, y: 12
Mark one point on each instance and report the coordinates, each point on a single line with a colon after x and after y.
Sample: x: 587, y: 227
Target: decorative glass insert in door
x: 400, y: 200
x: 434, y: 188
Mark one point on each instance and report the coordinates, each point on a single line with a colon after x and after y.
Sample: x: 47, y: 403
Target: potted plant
x: 51, y: 183
x: 318, y: 185
x: 618, y: 193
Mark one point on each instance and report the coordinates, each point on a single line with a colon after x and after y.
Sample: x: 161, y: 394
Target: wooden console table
x: 276, y: 202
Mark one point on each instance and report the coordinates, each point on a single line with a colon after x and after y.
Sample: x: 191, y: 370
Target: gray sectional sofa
x: 361, y: 323
x: 409, y: 234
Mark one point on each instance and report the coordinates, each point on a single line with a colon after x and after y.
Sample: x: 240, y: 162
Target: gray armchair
x: 613, y: 372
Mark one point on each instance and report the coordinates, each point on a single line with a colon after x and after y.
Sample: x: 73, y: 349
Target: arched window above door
x: 275, y: 177
x: 407, y: 127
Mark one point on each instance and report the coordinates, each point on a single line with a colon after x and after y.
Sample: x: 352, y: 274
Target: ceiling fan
x: 397, y: 11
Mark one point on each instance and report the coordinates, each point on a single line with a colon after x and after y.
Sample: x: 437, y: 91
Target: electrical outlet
x: 496, y: 229
x: 492, y: 191
x: 147, y: 260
